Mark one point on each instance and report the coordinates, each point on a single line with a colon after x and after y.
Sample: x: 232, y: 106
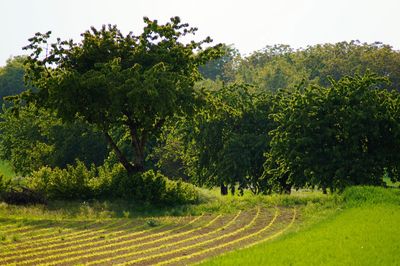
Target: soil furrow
x: 74, y: 249
x: 243, y: 222
x: 61, y: 240
x: 137, y: 240
x: 266, y: 233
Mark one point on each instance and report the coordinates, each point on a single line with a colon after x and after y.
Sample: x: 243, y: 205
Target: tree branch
x: 121, y: 157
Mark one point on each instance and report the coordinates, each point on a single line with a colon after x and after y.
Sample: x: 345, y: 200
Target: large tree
x: 333, y: 137
x: 111, y: 80
x: 228, y: 138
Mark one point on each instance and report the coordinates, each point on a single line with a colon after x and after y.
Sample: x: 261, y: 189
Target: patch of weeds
x: 126, y: 214
x: 152, y: 223
x: 14, y: 238
x: 3, y: 238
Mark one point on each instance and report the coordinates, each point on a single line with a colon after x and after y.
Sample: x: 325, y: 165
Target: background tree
x: 227, y: 138
x: 280, y: 66
x: 12, y: 78
x: 334, y: 137
x: 348, y: 58
x: 271, y: 68
x: 36, y: 138
x: 114, y: 81
x: 222, y: 67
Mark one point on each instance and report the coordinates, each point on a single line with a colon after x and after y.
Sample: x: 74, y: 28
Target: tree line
x: 325, y: 116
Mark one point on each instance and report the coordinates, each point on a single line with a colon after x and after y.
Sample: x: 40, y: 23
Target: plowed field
x: 159, y: 241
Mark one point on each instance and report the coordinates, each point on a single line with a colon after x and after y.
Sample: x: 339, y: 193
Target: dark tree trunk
x: 232, y: 189
x: 224, y: 189
x: 138, y: 147
x: 287, y: 189
x: 121, y: 157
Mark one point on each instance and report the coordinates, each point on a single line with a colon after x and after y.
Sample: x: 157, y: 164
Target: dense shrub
x: 80, y: 182
x: 69, y: 183
x: 12, y: 192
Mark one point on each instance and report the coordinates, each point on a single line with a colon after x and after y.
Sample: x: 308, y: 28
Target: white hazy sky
x: 250, y: 25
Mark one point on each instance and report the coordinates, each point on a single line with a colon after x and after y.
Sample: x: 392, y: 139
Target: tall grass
x: 211, y: 202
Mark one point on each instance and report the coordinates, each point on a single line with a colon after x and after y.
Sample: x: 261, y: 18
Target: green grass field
x: 357, y: 227
x: 365, y: 232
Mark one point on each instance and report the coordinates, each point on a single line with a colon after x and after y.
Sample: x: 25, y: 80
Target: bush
x: 149, y: 186
x: 69, y: 183
x: 14, y: 193
x: 80, y: 182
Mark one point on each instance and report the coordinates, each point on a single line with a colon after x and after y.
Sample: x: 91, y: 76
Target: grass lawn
x: 365, y: 232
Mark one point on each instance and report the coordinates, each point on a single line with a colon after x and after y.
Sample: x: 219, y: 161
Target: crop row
x: 34, y: 256
x: 95, y: 247
x: 130, y: 242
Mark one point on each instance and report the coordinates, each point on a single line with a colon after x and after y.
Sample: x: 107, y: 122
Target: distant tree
x: 271, y: 68
x: 229, y: 138
x: 345, y: 134
x: 348, y: 58
x: 12, y: 77
x: 35, y: 138
x: 280, y: 66
x: 219, y: 68
x: 114, y: 81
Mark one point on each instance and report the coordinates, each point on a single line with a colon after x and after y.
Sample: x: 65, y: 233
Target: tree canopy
x: 12, y: 78
x: 336, y: 136
x: 135, y: 82
x: 280, y: 66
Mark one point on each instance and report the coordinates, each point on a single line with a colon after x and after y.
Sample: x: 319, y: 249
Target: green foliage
x: 6, y: 170
x: 114, y: 81
x: 35, y: 137
x: 5, y: 186
x: 348, y: 58
x: 228, y: 138
x: 334, y: 137
x: 221, y: 68
x: 280, y: 66
x: 80, y: 182
x: 274, y: 67
x: 12, y: 78
x: 69, y: 183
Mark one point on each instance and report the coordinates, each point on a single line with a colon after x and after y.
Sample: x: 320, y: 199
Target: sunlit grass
x: 365, y: 232
x: 212, y: 203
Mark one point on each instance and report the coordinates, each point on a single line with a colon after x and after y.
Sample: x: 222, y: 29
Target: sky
x: 249, y: 25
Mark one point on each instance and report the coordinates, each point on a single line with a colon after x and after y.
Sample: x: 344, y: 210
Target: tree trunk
x: 121, y: 157
x: 138, y: 148
x: 232, y: 189
x: 224, y: 189
x: 287, y: 189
